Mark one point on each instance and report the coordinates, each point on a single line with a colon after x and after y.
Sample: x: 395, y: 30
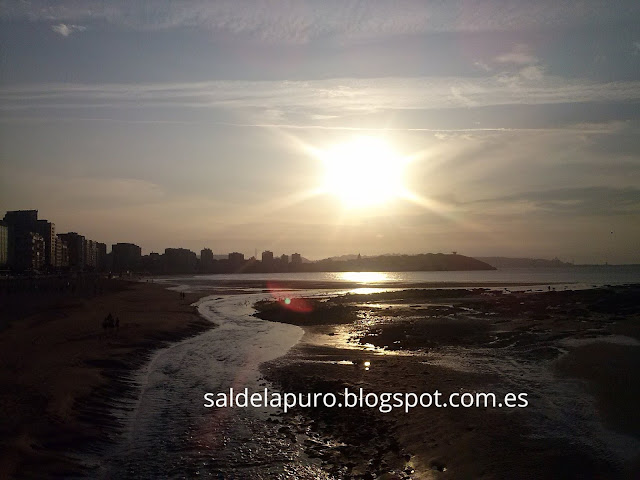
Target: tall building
x: 32, y: 257
x: 90, y: 254
x: 75, y: 247
x: 62, y: 253
x: 37, y: 251
x: 180, y: 260
x: 152, y: 263
x: 126, y: 256
x: 25, y: 246
x: 236, y: 260
x: 267, y: 257
x: 296, y: 259
x: 4, y: 244
x: 268, y: 264
x: 101, y: 256
x: 235, y: 257
x: 206, y: 260
x: 284, y: 260
x: 47, y: 230
x: 29, y: 251
x: 22, y: 220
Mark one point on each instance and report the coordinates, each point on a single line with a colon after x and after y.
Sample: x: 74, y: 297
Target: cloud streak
x: 303, y: 21
x: 587, y: 201
x: 327, y: 97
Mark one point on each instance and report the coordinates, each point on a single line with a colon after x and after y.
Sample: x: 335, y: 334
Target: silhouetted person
x: 108, y: 321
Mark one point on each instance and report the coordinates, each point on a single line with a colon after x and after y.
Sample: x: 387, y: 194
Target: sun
x: 363, y: 172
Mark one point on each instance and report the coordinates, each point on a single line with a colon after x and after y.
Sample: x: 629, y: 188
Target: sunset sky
x: 515, y: 126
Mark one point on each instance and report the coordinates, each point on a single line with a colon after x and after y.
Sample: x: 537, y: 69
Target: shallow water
x: 170, y: 434
x: 558, y: 408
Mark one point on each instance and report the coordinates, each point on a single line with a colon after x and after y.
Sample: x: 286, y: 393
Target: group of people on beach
x: 111, y: 322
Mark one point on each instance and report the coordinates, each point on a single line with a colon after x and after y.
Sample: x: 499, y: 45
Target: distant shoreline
x: 330, y: 285
x: 7, y: 276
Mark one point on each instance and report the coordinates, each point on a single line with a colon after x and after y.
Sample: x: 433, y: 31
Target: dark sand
x: 56, y: 399
x: 61, y: 370
x: 419, y: 340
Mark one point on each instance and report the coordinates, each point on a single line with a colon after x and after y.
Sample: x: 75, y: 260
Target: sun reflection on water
x: 364, y: 277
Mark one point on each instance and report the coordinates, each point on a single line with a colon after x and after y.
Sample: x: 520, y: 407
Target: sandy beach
x: 61, y: 370
x: 574, y: 353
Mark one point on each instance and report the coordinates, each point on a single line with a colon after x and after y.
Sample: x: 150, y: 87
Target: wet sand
x: 57, y: 398
x: 575, y: 353
x: 61, y: 370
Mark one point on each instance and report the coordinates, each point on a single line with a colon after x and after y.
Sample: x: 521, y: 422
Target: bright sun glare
x: 363, y: 172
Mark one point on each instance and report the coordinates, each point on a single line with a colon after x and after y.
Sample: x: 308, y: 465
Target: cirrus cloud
x: 303, y: 21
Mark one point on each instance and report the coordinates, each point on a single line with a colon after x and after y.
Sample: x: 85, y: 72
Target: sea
x: 167, y: 432
x: 587, y: 276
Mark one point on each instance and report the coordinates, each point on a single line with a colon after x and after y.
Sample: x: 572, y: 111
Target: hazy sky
x: 190, y: 123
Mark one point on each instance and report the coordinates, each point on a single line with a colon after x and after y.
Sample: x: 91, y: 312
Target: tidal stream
x: 168, y: 431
